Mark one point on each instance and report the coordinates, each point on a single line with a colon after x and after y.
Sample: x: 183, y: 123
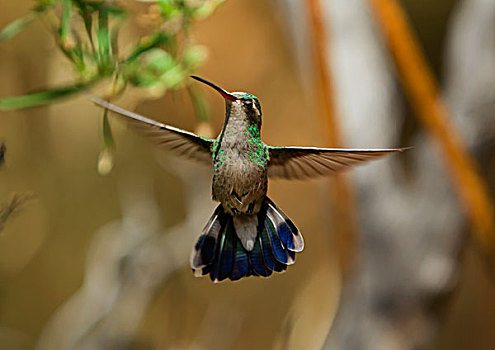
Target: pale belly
x: 240, y: 185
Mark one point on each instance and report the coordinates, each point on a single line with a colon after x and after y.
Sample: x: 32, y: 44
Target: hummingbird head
x: 247, y: 105
x: 240, y: 104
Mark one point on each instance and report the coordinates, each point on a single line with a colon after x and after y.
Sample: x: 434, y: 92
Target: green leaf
x: 199, y: 103
x: 85, y: 12
x: 105, y: 6
x: 65, y: 27
x: 108, y: 140
x: 43, y: 5
x: 114, y: 38
x: 72, y: 49
x: 194, y: 56
x: 207, y: 8
x: 145, y: 79
x: 43, y: 97
x: 17, y: 26
x: 159, y: 60
x: 169, y: 8
x: 148, y: 43
x: 173, y: 77
x: 103, y: 35
x: 76, y: 55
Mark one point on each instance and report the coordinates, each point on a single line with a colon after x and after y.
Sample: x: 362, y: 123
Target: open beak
x: 227, y: 95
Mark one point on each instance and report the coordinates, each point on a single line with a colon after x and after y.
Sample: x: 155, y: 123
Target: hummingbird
x: 248, y: 234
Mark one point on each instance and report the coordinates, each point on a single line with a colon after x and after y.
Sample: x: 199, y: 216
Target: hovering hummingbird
x: 248, y: 234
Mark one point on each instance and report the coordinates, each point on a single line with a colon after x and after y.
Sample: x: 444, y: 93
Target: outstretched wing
x: 306, y: 162
x: 180, y: 142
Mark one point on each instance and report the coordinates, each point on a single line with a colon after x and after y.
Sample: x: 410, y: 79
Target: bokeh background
x: 101, y: 262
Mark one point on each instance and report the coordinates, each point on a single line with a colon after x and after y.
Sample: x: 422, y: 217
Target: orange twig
x: 342, y: 191
x: 422, y: 90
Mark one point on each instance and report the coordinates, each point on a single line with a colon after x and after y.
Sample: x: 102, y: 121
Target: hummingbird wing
x: 306, y: 162
x: 181, y: 142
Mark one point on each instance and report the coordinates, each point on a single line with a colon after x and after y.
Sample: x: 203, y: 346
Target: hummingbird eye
x: 248, y: 102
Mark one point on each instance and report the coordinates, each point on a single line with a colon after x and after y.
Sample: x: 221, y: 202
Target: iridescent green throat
x: 258, y: 152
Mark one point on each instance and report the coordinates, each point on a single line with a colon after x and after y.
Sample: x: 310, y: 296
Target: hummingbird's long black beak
x: 221, y: 91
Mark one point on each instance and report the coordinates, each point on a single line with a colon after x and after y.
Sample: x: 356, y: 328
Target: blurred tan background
x: 93, y: 257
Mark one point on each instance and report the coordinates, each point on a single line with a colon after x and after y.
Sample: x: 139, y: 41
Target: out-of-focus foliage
x: 87, y: 33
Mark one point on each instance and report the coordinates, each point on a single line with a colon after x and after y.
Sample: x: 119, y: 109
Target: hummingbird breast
x: 240, y: 173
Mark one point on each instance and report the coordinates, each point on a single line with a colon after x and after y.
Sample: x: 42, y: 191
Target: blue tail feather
x: 224, y: 255
x: 277, y: 248
x: 205, y: 248
x: 286, y: 236
x: 267, y: 250
x: 226, y: 264
x: 296, y: 243
x: 283, y: 229
x: 269, y: 257
x: 241, y: 262
x: 220, y: 253
x: 257, y: 260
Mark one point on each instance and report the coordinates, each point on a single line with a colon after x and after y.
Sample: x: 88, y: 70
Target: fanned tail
x: 220, y: 253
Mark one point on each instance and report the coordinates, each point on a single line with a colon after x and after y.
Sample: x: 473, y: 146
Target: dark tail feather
x: 219, y: 252
x: 289, y: 234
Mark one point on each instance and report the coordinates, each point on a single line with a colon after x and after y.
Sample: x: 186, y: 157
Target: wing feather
x: 307, y: 162
x: 178, y: 141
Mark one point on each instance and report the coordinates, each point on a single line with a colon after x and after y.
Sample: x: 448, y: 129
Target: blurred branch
x: 342, y: 194
x: 422, y: 89
x: 199, y: 103
x: 13, y: 206
x: 3, y: 150
x: 128, y: 262
x: 16, y: 202
x: 313, y: 309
